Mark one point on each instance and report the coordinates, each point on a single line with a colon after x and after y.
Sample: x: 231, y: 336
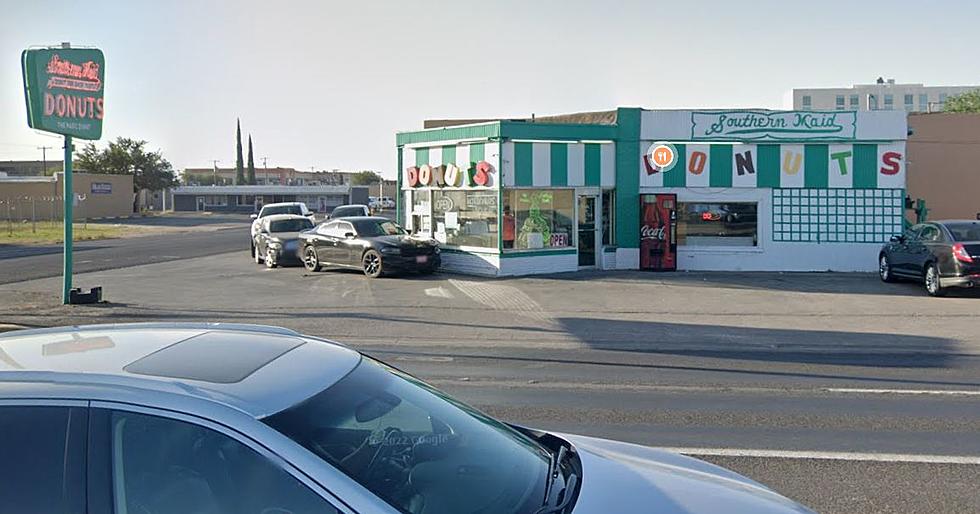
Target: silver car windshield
x: 416, y: 448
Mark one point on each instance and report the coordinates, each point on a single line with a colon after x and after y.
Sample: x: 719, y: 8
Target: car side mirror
x: 349, y: 235
x: 254, y: 216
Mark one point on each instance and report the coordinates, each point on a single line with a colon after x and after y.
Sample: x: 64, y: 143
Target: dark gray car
x: 277, y: 241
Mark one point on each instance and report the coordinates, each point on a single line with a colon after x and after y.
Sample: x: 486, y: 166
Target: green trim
x: 721, y: 165
x: 523, y: 164
x: 399, y: 195
x: 488, y: 251
x: 677, y: 175
x: 628, y: 177
x: 421, y: 156
x: 478, y: 152
x: 559, y: 164
x: 593, y: 165
x: 767, y: 174
x: 486, y: 130
x: 816, y: 166
x: 449, y: 154
x: 538, y: 253
x: 865, y: 166
x: 553, y: 131
x: 609, y: 249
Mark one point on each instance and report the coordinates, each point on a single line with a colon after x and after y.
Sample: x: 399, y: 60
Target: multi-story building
x: 883, y: 95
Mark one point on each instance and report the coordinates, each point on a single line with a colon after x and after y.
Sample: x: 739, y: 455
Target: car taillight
x: 960, y: 253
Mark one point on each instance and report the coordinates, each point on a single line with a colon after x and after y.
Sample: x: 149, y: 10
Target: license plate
x: 421, y: 259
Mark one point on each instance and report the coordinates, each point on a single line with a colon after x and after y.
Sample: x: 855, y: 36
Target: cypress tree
x: 251, y: 163
x: 239, y: 164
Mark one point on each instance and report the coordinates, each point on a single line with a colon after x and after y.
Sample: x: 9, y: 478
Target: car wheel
x: 311, y: 260
x: 270, y: 258
x: 932, y: 281
x: 885, y: 269
x: 371, y: 262
x: 256, y: 255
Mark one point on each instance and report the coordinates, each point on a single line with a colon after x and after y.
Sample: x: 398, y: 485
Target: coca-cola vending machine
x: 658, y: 232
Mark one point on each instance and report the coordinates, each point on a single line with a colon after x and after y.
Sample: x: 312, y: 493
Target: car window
x: 930, y: 233
x: 42, y: 460
x: 341, y: 212
x: 966, y: 231
x: 327, y: 229
x: 345, y: 228
x: 375, y: 227
x: 166, y: 466
x: 294, y: 225
x: 269, y: 210
x: 912, y: 234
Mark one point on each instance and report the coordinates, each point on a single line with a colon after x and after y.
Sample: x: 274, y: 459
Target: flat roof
x: 260, y: 190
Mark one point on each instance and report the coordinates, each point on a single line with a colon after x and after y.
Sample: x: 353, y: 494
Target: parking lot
x: 840, y: 391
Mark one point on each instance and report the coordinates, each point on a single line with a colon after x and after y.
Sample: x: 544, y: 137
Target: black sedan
x: 277, y: 240
x: 373, y: 244
x: 942, y: 254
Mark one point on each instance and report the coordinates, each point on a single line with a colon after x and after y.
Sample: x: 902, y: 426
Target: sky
x: 327, y: 84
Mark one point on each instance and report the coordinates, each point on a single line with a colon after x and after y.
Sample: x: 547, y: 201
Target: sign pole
x: 69, y: 197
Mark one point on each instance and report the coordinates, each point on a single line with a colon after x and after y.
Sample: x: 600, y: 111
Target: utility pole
x: 214, y: 174
x: 44, y: 158
x: 265, y: 169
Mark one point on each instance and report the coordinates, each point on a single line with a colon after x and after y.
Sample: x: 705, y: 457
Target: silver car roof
x: 258, y: 370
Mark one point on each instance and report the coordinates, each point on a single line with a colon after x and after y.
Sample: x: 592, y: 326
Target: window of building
x: 855, y: 102
x: 608, y: 217
x: 465, y: 218
x: 717, y: 224
x: 923, y: 102
x: 839, y: 103
x: 542, y: 218
x: 807, y: 102
x: 872, y: 103
x: 216, y: 200
x: 942, y: 101
x: 42, y: 450
x: 909, y: 102
x: 889, y: 102
x: 167, y: 466
x: 420, y: 214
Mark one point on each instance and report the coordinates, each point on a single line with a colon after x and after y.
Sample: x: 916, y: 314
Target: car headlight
x: 436, y: 250
x: 275, y: 244
x: 391, y: 250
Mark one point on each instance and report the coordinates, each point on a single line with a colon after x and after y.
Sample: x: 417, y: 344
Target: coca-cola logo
x: 648, y: 232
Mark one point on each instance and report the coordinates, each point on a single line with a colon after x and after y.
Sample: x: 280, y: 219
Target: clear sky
x: 327, y: 84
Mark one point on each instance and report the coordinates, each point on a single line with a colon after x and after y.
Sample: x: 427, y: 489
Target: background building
x: 30, y: 168
x: 318, y: 198
x: 944, y: 164
x: 40, y: 198
x: 883, y: 95
x: 278, y: 176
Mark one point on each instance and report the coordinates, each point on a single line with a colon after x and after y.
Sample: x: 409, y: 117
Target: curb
x: 8, y: 327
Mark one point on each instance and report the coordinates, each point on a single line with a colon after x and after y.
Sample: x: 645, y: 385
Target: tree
x: 239, y: 165
x: 365, y: 178
x: 966, y: 102
x: 126, y: 156
x: 251, y: 163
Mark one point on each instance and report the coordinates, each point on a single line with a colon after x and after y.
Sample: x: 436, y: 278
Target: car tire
x: 931, y: 279
x: 256, y: 256
x: 885, y: 269
x: 371, y: 264
x: 311, y: 261
x: 270, y: 258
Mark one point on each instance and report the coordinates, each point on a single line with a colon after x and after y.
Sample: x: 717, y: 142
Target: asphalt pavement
x: 846, y: 394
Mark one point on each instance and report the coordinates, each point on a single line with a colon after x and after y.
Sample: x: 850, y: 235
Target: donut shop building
x: 723, y: 190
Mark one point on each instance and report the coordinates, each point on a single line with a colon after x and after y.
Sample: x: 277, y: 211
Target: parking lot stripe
x: 818, y: 455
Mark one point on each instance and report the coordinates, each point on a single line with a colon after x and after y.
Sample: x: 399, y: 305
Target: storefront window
x: 717, y: 224
x: 538, y: 218
x: 609, y: 217
x: 465, y: 218
x: 420, y: 215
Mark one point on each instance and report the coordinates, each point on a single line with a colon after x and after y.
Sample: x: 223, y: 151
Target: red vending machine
x: 658, y: 232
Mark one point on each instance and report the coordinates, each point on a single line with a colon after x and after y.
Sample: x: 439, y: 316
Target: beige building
x: 883, y: 95
x: 944, y: 164
x: 40, y: 198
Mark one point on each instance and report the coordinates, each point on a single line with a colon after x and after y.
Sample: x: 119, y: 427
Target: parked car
x: 344, y: 211
x: 296, y: 208
x: 942, y: 254
x: 214, y: 418
x: 386, y: 202
x: 278, y: 239
x: 374, y: 203
x: 376, y: 245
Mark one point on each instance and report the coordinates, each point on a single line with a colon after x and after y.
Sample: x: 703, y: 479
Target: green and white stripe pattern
x: 462, y: 155
x: 556, y: 164
x: 815, y: 166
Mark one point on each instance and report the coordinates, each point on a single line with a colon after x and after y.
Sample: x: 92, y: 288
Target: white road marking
x: 438, y: 292
x: 937, y: 392
x: 815, y: 455
x: 502, y: 297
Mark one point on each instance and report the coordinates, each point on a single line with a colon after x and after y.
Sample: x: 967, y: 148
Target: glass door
x: 587, y: 230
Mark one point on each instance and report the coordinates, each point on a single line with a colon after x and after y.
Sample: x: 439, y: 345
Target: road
x: 836, y: 390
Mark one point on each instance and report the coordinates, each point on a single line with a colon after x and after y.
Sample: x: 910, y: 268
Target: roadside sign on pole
x: 64, y: 90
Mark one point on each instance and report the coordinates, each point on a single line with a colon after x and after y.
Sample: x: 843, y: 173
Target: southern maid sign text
x: 763, y: 125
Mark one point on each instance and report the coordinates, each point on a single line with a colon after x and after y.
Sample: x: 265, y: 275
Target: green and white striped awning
x: 558, y: 164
